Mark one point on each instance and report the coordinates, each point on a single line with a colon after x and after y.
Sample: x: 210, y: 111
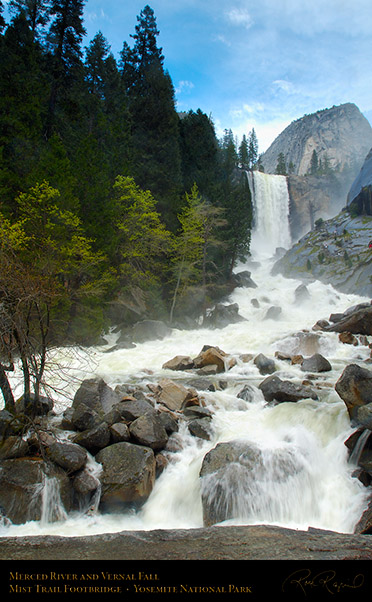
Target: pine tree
x: 35, y: 11
x: 65, y: 37
x: 2, y: 20
x: 154, y: 120
x: 252, y: 148
x: 281, y: 168
x: 237, y: 234
x: 23, y: 94
x: 243, y: 153
x: 200, y: 154
x: 145, y: 48
x: 314, y: 163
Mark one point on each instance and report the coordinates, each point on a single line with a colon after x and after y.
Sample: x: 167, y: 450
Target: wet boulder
x: 356, y: 320
x: 22, y: 484
x: 173, y: 395
x: 223, y: 315
x: 364, y: 525
x: 169, y: 422
x: 275, y: 389
x: 355, y: 388
x: 264, y: 364
x: 201, y: 428
x: 69, y: 456
x: 13, y: 447
x: 243, y: 280
x: 132, y: 409
x: 197, y: 412
x: 237, y: 478
x: 128, y: 476
x: 211, y: 356
x: 364, y: 416
x: 92, y: 401
x: 180, y: 362
x: 273, y: 313
x: 119, y: 431
x: 222, y: 470
x: 149, y: 431
x: 85, y: 483
x: 302, y: 294
x: 33, y: 406
x: 93, y: 439
x: 150, y: 330
x: 249, y: 393
x: 316, y: 363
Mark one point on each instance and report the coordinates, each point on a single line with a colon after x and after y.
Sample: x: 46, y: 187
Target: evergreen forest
x: 106, y: 191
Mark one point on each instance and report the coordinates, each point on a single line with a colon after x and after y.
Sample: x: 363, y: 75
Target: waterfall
x: 359, y: 447
x: 47, y: 497
x: 270, y: 202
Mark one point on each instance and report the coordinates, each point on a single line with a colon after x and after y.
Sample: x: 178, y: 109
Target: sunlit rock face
x: 341, y: 135
x: 360, y: 194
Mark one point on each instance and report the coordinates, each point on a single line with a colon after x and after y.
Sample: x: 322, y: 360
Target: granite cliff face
x: 360, y: 194
x: 314, y: 197
x: 340, y: 135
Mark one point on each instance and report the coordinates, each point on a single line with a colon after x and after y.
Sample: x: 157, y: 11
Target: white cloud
x: 240, y: 17
x: 285, y: 86
x: 222, y: 39
x: 184, y: 86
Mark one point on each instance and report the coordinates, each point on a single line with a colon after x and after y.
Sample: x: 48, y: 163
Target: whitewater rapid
x: 305, y: 479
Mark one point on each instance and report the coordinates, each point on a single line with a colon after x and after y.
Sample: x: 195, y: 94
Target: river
x: 305, y: 479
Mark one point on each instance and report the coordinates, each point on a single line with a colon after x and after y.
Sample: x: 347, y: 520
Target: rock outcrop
x: 340, y: 135
x: 360, y: 194
x: 336, y: 252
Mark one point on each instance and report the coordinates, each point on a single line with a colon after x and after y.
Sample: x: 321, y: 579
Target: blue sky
x: 254, y: 63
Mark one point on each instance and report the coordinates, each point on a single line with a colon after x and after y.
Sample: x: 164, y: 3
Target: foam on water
x: 304, y: 478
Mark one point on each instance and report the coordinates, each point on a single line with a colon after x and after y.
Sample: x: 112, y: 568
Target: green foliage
x: 281, y: 168
x: 187, y: 248
x: 142, y: 239
x: 94, y: 165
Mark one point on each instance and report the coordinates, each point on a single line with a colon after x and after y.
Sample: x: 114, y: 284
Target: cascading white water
x: 303, y: 477
x: 270, y: 201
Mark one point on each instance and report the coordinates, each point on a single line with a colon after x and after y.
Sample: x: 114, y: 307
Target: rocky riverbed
x: 213, y: 543
x: 110, y: 448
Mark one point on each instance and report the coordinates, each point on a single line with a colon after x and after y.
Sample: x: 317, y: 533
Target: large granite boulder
x: 128, y: 476
x: 173, y: 395
x: 149, y: 431
x: 243, y: 280
x: 92, y: 401
x: 69, y: 456
x: 355, y: 388
x: 237, y: 478
x: 13, y: 447
x: 150, y: 330
x: 316, y: 363
x: 264, y: 364
x: 24, y: 482
x: 356, y: 321
x: 211, y: 356
x: 93, y: 439
x: 276, y: 389
x: 223, y: 315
